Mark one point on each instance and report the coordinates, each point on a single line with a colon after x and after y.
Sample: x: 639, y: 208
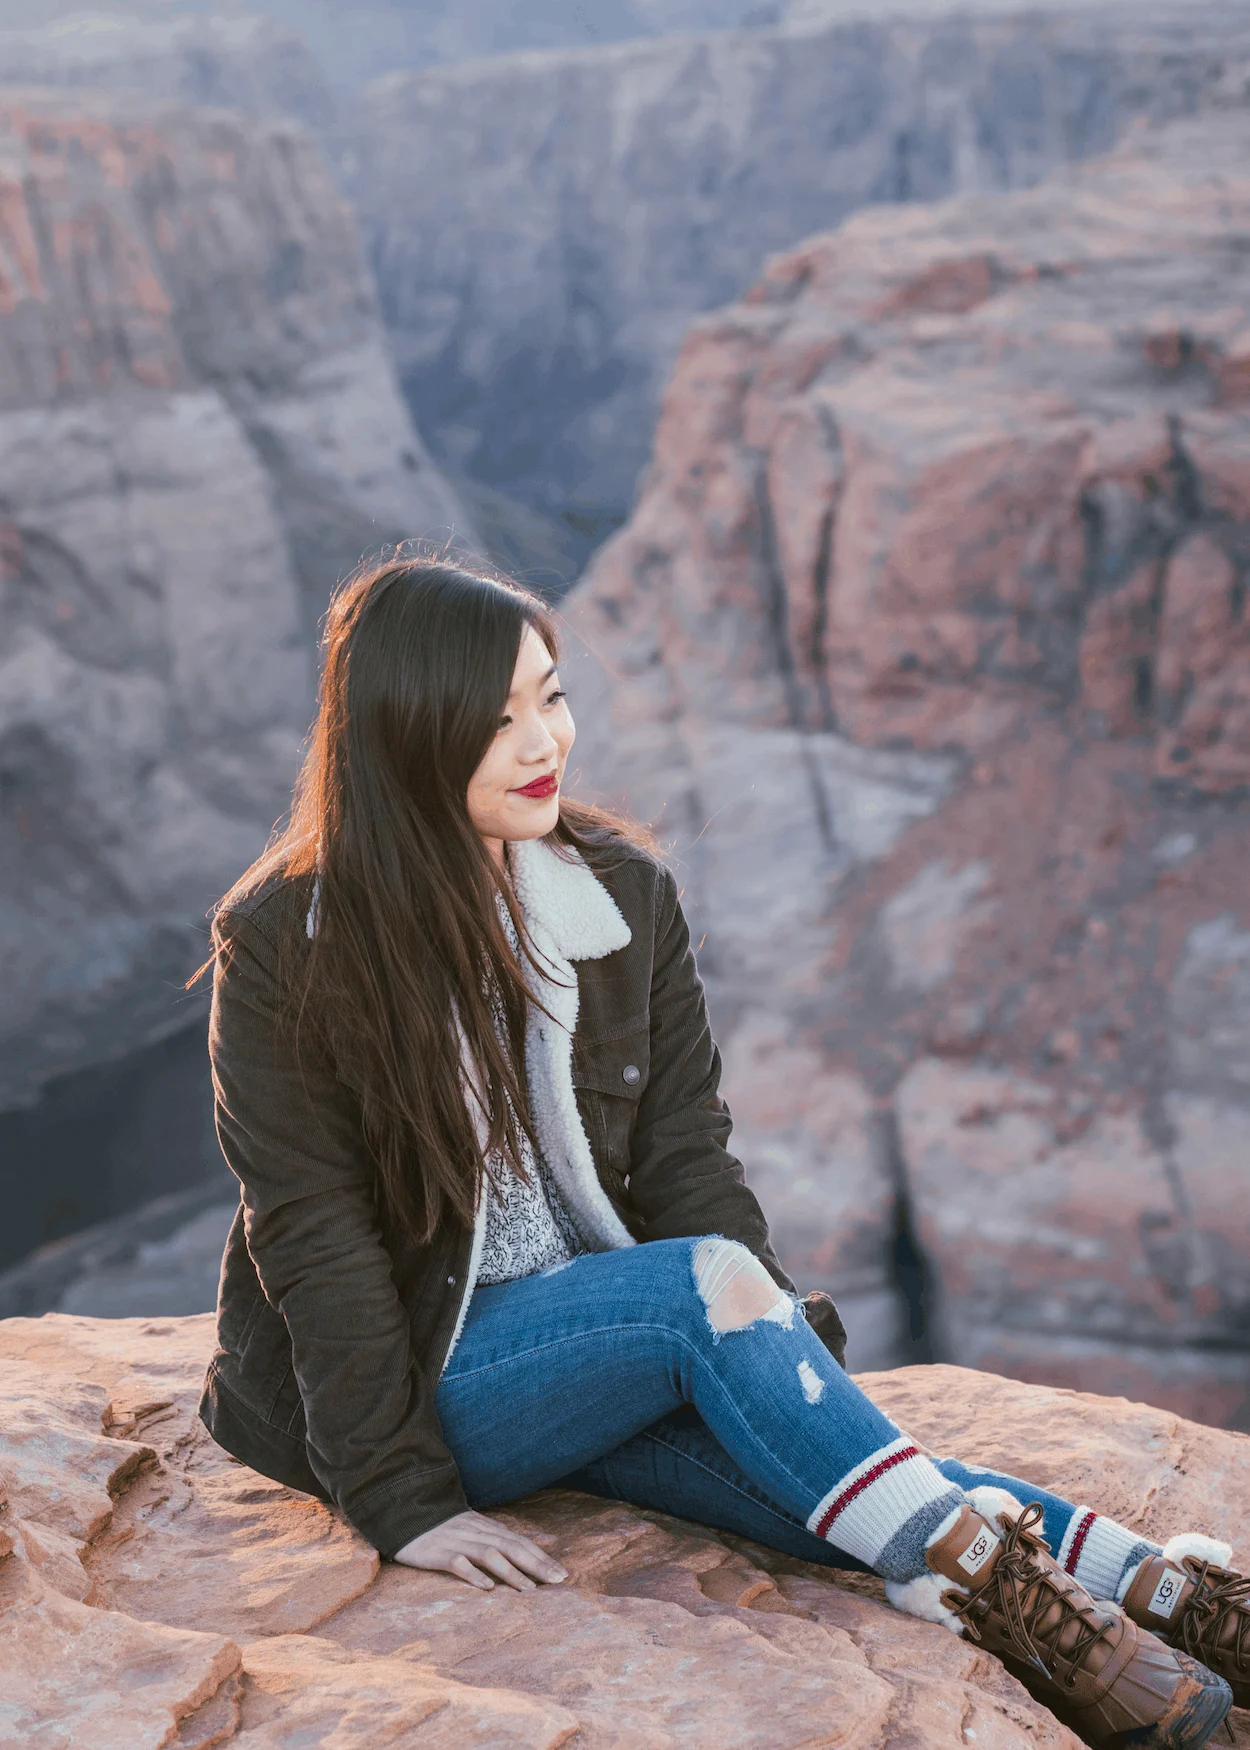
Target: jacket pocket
x: 609, y: 1076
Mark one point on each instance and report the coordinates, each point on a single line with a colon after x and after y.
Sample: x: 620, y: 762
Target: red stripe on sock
x: 860, y: 1484
x: 1078, y: 1542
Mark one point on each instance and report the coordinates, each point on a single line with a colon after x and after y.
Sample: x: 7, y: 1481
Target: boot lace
x: 1217, y: 1596
x: 1023, y: 1592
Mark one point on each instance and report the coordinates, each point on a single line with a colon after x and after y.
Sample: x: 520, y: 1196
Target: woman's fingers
x: 525, y: 1554
x: 496, y: 1562
x: 473, y: 1547
x: 464, y: 1569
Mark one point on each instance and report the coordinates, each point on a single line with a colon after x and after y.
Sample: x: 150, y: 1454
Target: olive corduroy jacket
x: 332, y: 1338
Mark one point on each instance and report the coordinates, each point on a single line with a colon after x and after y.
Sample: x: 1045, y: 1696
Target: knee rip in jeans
x: 736, y: 1290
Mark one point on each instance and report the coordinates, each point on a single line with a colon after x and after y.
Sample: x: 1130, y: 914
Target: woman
x: 492, y: 1238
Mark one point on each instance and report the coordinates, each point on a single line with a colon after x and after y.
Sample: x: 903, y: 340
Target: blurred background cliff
x: 872, y: 392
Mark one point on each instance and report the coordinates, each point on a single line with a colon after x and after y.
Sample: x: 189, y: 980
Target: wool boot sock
x: 886, y: 1509
x: 1102, y: 1555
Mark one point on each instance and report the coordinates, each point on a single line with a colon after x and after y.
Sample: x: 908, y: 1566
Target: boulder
x: 200, y: 430
x: 925, y: 652
x: 196, y: 1602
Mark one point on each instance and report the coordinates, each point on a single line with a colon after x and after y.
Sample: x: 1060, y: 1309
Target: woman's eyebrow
x: 542, y: 680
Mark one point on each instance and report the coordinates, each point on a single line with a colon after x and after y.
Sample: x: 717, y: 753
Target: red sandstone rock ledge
x: 155, y: 1593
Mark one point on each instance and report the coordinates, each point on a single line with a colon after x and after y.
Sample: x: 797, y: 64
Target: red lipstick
x: 541, y: 788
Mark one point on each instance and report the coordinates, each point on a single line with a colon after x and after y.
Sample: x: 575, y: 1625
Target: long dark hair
x: 418, y: 662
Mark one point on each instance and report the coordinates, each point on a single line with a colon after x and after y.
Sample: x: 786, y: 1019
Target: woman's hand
x: 475, y: 1548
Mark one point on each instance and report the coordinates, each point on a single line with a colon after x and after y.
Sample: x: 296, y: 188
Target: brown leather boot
x: 1089, y: 1663
x: 1202, y: 1608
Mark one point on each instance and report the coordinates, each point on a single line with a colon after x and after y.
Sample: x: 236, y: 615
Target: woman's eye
x: 504, y: 723
x: 552, y: 697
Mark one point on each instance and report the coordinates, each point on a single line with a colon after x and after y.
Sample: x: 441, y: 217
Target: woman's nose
x: 539, y: 744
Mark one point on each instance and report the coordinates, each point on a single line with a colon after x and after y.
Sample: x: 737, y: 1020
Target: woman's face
x: 515, y: 792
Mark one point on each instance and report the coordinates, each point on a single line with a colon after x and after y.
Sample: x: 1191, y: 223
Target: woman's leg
x: 556, y: 1370
x: 559, y: 1369
x: 678, y: 1466
x: 574, y: 1321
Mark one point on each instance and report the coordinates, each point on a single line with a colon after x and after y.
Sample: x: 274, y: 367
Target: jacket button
x: 631, y: 1075
x: 451, y: 1282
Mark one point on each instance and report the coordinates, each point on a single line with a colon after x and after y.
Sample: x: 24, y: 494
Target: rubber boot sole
x: 1199, y: 1708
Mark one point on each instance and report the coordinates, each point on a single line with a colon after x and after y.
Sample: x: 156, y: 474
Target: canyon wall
x: 199, y: 430
x: 543, y: 227
x: 927, y: 651
x: 344, y: 51
x: 243, y: 62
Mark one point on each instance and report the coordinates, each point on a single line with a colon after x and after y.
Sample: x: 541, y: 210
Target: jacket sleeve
x: 683, y: 1178
x: 291, y: 1133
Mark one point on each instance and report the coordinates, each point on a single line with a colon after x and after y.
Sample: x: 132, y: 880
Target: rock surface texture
x: 153, y: 1592
x: 199, y: 430
x: 927, y: 651
x: 574, y: 210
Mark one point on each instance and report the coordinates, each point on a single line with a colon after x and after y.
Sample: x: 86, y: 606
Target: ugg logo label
x: 1166, y: 1593
x: 978, y: 1552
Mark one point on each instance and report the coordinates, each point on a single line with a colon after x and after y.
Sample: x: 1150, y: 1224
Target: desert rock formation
x: 302, y: 49
x: 200, y: 429
x: 574, y: 210
x: 927, y: 650
x: 131, y: 1545
x: 241, y: 61
x: 544, y: 224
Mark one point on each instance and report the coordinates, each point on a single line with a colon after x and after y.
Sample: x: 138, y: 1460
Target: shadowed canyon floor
x: 155, y: 1593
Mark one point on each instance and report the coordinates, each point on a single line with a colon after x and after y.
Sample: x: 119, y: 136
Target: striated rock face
x: 132, y: 1548
x: 199, y: 430
x: 926, y: 648
x: 573, y: 211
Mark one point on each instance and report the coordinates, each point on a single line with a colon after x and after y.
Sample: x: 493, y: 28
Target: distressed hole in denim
x: 736, y: 1289
x: 813, y: 1385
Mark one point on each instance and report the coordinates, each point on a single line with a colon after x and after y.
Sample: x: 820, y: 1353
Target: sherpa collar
x: 564, y: 903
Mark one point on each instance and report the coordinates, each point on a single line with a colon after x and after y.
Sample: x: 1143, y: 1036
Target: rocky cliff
x: 544, y: 226
x: 153, y: 1593
x: 308, y: 48
x: 239, y: 61
x: 199, y: 429
x: 926, y: 647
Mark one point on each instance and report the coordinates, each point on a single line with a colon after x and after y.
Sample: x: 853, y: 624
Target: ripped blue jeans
x: 678, y: 1377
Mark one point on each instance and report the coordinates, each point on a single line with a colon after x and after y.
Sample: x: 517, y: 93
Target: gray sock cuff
x: 903, y: 1557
